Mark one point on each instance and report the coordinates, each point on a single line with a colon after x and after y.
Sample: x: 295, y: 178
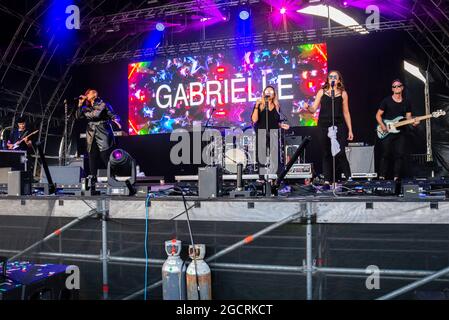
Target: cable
x: 147, y: 213
x: 193, y: 244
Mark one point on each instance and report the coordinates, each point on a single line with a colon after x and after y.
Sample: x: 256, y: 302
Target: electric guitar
x: 393, y: 125
x: 17, y: 144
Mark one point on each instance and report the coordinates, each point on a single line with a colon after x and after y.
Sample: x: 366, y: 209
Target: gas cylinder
x: 198, y: 275
x: 173, y: 272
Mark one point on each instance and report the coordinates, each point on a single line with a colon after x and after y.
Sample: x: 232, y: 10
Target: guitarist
x: 18, y: 134
x: 393, y: 146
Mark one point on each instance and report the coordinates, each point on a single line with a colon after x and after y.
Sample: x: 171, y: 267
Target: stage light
x: 414, y: 70
x: 283, y: 10
x: 121, y: 164
x: 221, y: 69
x: 244, y: 14
x: 160, y: 27
x: 344, y: 3
x: 335, y: 15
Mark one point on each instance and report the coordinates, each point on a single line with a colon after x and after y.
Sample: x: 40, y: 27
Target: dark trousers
x: 392, y: 151
x: 98, y: 159
x: 341, y: 162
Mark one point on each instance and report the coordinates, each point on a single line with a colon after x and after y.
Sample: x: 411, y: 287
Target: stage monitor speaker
x: 4, y: 175
x: 19, y: 183
x: 209, y: 182
x: 361, y: 160
x: 63, y: 175
x: 79, y: 162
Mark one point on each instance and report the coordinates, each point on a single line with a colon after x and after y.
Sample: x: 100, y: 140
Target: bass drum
x: 232, y: 158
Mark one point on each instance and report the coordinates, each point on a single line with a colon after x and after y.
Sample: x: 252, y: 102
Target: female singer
x: 335, y: 87
x: 262, y: 121
x: 99, y: 134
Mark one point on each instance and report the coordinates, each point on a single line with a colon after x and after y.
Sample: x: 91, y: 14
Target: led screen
x: 220, y: 89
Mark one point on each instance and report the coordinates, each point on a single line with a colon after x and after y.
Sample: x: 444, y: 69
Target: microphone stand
x: 282, y: 142
x: 64, y: 145
x: 333, y: 125
x: 268, y: 190
x: 206, y: 126
x: 267, y: 136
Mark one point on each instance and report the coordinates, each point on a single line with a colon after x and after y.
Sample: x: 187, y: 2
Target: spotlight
x: 414, y: 70
x: 283, y: 10
x: 244, y: 14
x: 344, y: 3
x: 121, y: 173
x: 334, y: 14
x: 160, y: 26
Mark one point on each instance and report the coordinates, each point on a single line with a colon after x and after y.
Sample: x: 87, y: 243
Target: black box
x: 15, y: 159
x: 410, y: 191
x: 209, y: 182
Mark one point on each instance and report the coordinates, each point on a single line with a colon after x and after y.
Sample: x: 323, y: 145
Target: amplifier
x: 361, y: 161
x: 4, y: 175
x: 19, y: 183
x: 291, y: 145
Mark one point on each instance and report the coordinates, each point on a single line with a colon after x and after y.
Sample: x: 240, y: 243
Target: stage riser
x: 350, y: 210
x: 421, y: 247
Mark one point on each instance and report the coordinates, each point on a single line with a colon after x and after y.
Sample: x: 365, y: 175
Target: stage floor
x: 326, y: 209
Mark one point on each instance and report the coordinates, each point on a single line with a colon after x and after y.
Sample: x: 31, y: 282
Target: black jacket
x: 98, y: 117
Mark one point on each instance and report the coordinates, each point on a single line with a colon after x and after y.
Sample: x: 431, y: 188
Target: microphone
x: 267, y: 96
x: 333, y: 83
x: 78, y: 98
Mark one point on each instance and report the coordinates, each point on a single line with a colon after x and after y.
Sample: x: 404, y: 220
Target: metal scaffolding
x: 98, y: 24
x: 268, y: 38
x: 310, y: 268
x: 431, y: 33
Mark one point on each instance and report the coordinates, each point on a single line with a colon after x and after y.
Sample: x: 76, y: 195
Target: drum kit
x: 235, y: 147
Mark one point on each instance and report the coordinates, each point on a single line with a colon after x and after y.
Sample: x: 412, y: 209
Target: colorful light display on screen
x: 166, y: 94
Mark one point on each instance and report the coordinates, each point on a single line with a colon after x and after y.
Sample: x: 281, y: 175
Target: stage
x: 124, y: 127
